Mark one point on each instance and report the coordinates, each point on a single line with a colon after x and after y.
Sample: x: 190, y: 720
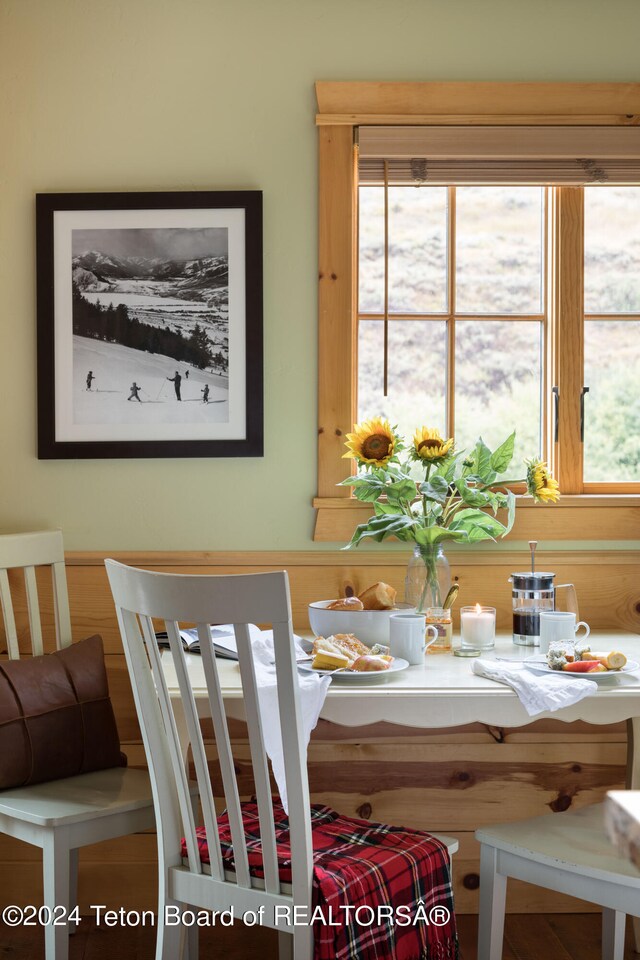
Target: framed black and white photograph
x: 149, y: 324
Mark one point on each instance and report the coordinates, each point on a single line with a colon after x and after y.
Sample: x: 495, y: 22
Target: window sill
x: 584, y: 517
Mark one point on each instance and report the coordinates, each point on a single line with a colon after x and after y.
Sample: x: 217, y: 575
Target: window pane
x: 417, y: 373
x: 417, y: 250
x: 498, y: 380
x: 612, y: 249
x: 612, y: 406
x: 499, y: 252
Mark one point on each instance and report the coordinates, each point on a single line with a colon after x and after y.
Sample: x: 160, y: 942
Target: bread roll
x: 347, y: 603
x: 378, y: 597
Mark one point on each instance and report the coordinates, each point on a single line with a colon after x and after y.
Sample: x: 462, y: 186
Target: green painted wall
x: 218, y: 94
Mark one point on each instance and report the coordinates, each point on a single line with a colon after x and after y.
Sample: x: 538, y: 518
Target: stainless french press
x: 531, y: 593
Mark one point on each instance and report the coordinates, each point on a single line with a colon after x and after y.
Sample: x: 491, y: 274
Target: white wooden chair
x: 62, y: 815
x: 253, y: 598
x: 567, y: 852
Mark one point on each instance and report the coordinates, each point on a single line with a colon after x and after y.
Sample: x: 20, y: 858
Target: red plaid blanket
x: 379, y: 892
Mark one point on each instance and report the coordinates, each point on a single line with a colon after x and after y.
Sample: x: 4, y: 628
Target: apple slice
x: 585, y: 666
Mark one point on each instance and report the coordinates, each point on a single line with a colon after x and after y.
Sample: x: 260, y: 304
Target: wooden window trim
x: 345, y: 105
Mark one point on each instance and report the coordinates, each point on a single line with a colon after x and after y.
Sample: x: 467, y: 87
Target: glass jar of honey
x: 440, y: 618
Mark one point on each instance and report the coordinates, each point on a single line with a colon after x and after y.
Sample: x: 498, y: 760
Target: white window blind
x: 535, y: 155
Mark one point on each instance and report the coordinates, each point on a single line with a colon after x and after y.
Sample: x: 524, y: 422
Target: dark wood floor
x: 527, y: 937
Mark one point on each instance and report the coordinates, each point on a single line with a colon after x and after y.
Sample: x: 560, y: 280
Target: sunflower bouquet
x: 426, y: 492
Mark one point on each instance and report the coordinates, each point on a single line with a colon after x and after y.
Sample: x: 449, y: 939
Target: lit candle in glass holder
x: 478, y: 627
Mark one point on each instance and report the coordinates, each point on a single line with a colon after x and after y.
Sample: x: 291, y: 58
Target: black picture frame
x: 93, y: 250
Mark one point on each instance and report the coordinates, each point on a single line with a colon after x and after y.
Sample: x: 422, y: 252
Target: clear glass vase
x: 428, y: 577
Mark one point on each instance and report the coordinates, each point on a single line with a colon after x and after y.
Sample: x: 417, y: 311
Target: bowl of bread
x: 366, y: 616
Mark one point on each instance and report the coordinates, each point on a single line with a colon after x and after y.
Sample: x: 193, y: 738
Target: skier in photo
x: 186, y: 376
x: 176, y: 383
x: 205, y: 393
x: 135, y: 390
x: 90, y: 378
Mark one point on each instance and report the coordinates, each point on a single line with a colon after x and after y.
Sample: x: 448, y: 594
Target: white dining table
x: 444, y: 692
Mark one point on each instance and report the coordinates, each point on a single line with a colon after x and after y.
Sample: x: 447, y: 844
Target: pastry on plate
x: 325, y: 660
x: 344, y: 644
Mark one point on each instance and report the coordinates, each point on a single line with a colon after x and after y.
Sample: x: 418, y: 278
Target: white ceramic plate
x: 358, y: 676
x: 630, y: 667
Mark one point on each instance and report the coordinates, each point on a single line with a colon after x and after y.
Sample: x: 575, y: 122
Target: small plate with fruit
x: 567, y: 660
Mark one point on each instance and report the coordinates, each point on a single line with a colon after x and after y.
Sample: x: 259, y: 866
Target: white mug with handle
x: 407, y: 632
x: 559, y: 625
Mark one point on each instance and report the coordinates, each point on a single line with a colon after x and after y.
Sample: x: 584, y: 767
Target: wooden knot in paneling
x: 471, y: 881
x: 462, y: 779
x: 561, y: 803
x: 364, y: 811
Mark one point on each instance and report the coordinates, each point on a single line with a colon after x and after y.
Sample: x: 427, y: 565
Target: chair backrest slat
x: 26, y: 552
x: 198, y: 752
x: 33, y: 608
x: 156, y: 743
x: 295, y: 763
x: 241, y: 600
x: 61, y: 611
x: 258, y: 759
x: 177, y: 764
x: 8, y: 616
x: 225, y: 758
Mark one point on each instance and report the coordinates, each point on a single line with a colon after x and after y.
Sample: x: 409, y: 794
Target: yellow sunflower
x: 372, y: 441
x: 429, y: 445
x: 540, y: 483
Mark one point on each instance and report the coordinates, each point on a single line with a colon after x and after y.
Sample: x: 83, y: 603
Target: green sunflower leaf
x: 435, y: 489
x: 503, y: 455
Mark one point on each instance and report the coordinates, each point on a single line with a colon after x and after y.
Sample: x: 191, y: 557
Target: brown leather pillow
x: 56, y: 718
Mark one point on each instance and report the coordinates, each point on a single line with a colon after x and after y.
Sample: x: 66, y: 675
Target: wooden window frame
x: 342, y: 107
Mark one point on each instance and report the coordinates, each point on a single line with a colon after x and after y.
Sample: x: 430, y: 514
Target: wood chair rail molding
x: 345, y: 105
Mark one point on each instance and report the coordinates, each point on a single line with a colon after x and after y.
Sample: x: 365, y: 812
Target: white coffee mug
x: 407, y: 632
x: 559, y: 625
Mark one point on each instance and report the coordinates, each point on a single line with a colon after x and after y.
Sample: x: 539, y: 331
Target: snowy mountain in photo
x: 203, y: 279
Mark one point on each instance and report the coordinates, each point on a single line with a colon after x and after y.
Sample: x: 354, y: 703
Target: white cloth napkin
x: 537, y: 692
x: 313, y: 689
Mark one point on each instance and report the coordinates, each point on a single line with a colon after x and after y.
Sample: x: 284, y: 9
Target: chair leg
x: 493, y: 893
x: 192, y: 943
x: 73, y: 887
x: 302, y: 942
x: 172, y: 940
x: 613, y: 925
x: 285, y: 946
x: 56, y: 875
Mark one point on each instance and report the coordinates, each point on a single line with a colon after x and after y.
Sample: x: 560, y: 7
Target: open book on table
x: 224, y: 641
